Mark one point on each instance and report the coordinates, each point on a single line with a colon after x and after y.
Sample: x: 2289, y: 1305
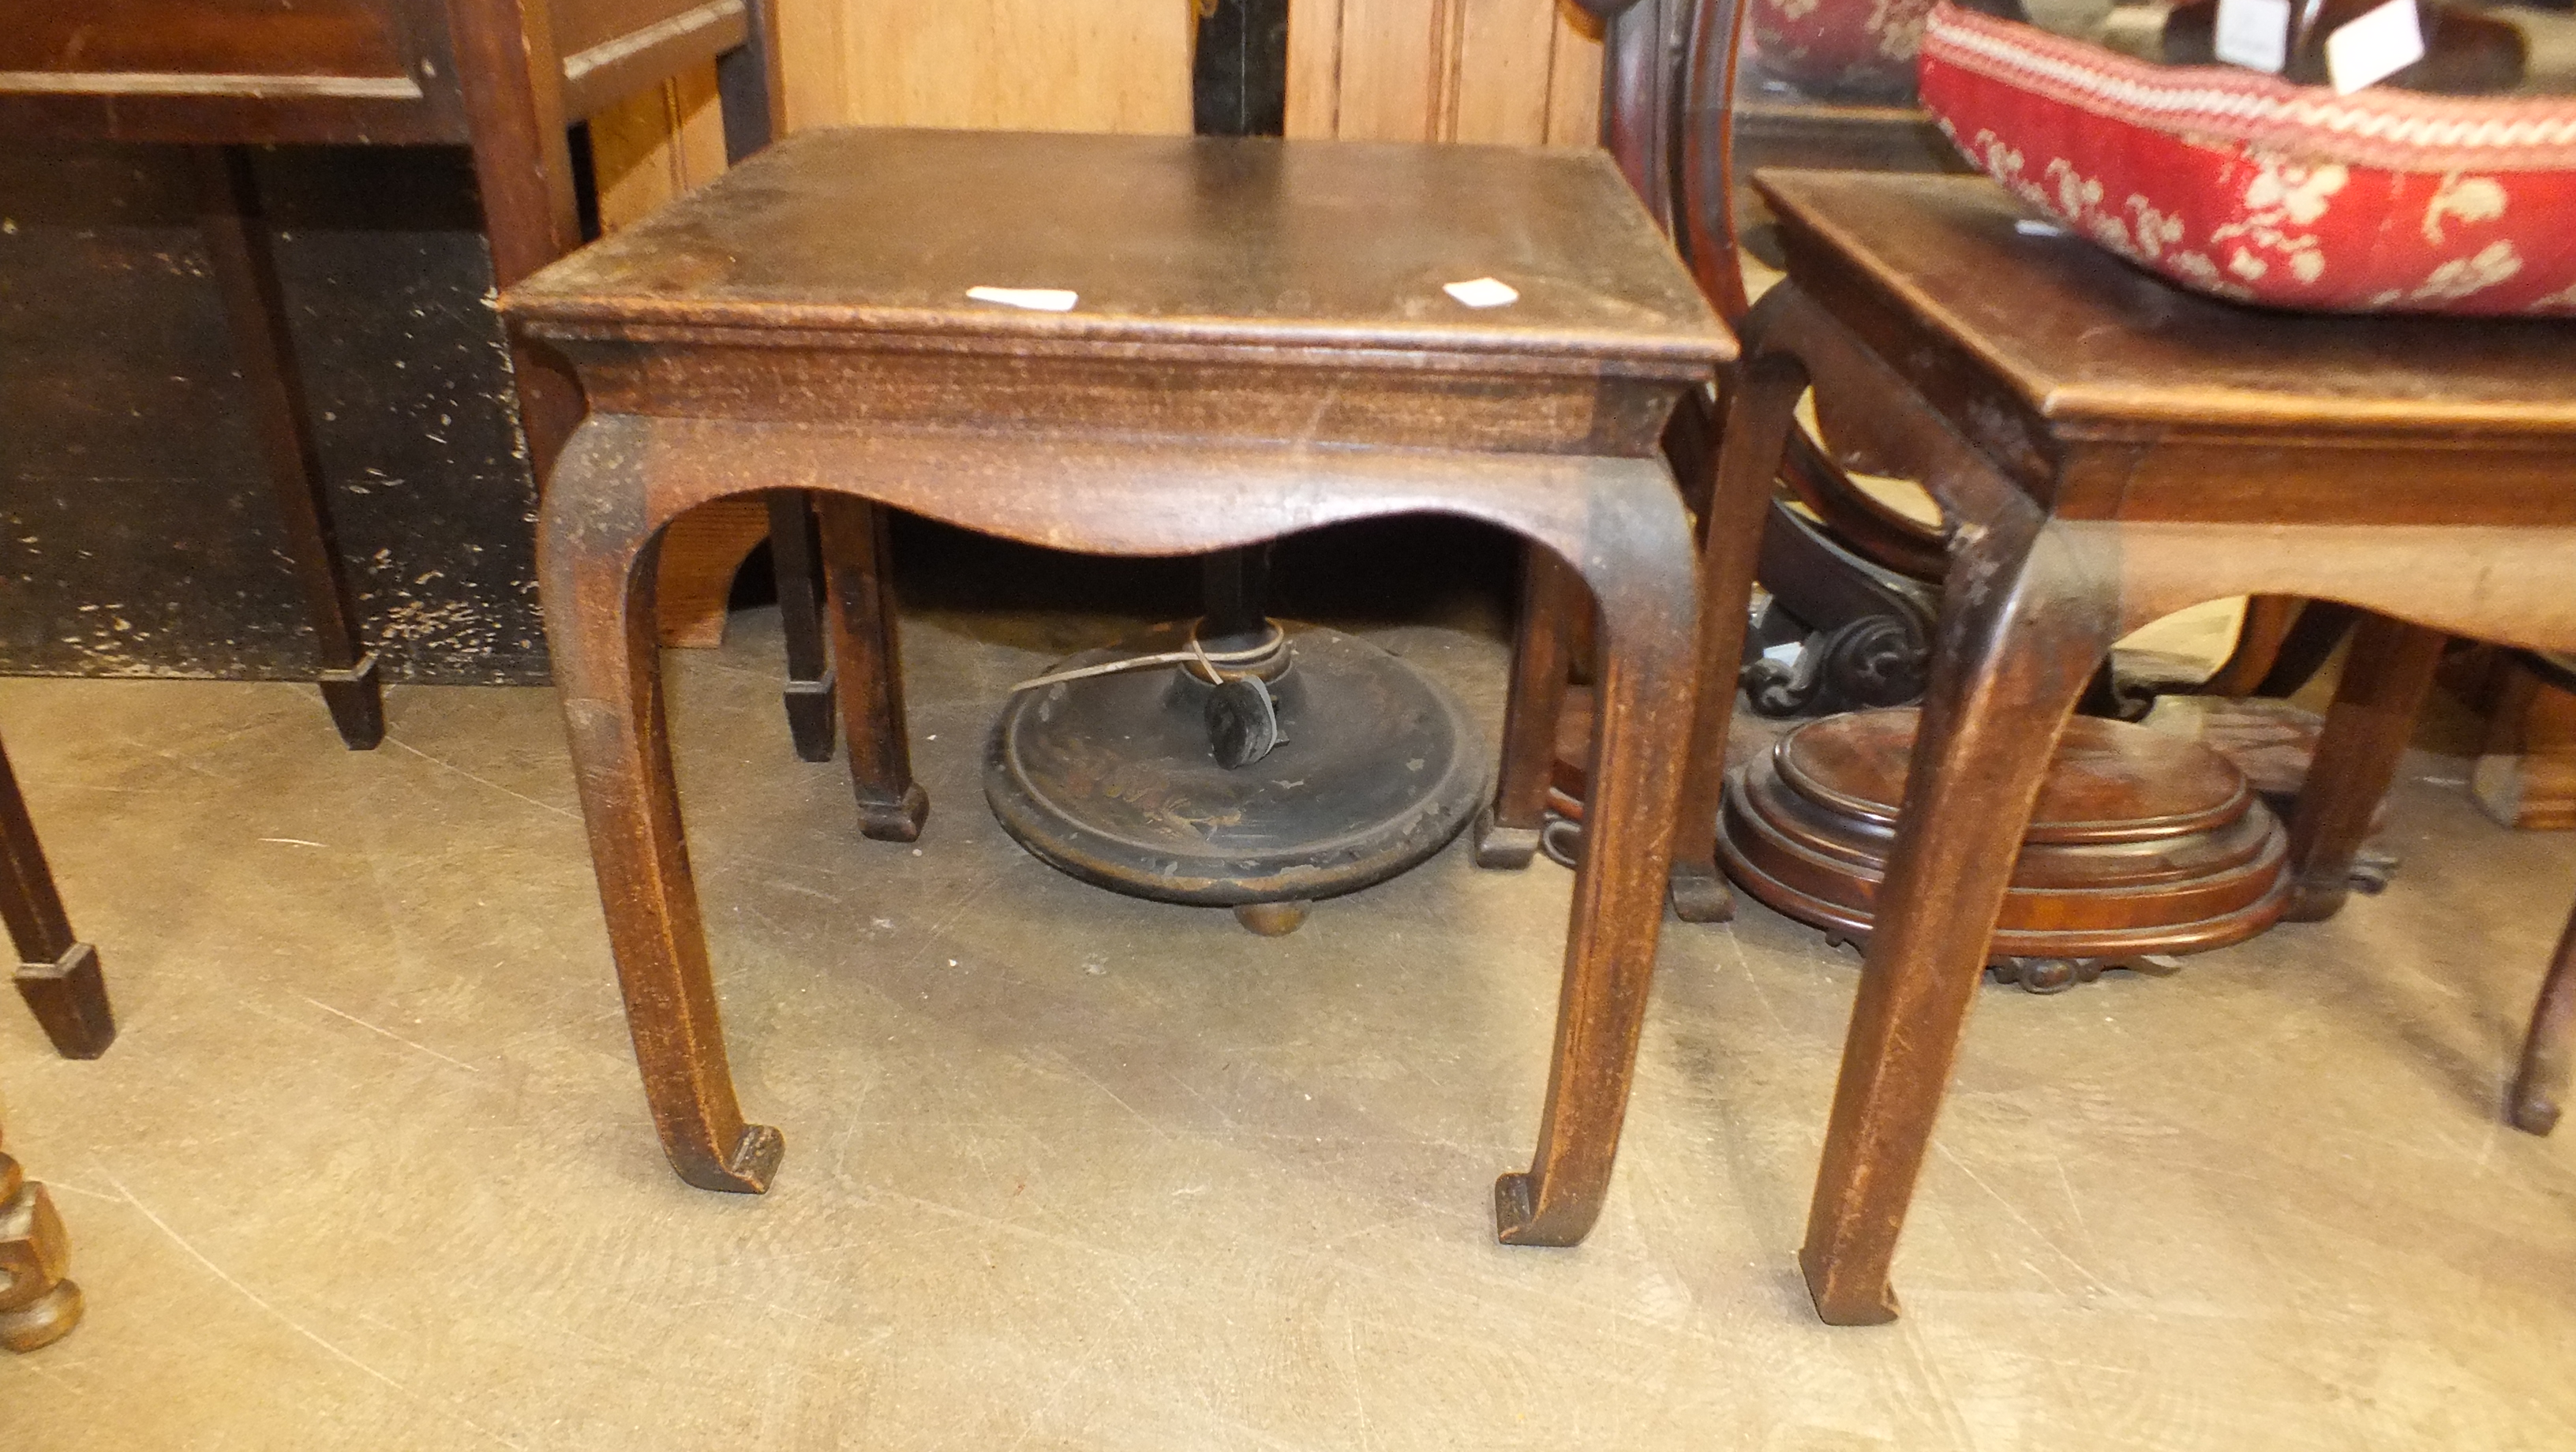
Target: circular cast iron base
x: 1112, y: 779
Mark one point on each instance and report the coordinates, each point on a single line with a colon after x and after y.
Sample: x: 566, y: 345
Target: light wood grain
x: 656, y: 145
x: 1524, y: 72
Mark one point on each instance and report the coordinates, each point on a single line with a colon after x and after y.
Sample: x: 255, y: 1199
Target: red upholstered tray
x: 2242, y: 185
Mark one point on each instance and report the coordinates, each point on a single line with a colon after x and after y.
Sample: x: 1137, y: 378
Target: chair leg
x: 2022, y: 630
x: 1641, y: 572
x: 795, y: 560
x: 2546, y: 1060
x: 595, y: 567
x: 859, y: 568
x: 1761, y: 408
x: 38, y: 1307
x: 246, y: 272
x: 1552, y: 599
x: 57, y: 975
x: 2385, y: 677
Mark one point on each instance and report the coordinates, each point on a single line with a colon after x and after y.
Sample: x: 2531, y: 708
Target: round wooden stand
x: 1111, y: 778
x: 2144, y: 845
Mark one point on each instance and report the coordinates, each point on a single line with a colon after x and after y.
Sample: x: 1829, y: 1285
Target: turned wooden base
x: 2144, y: 845
x: 37, y: 1306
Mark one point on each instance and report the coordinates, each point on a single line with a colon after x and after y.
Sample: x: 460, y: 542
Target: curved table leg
x: 1640, y: 568
x: 1506, y: 831
x: 1761, y: 408
x: 2023, y: 625
x: 2546, y: 1060
x: 860, y: 566
x: 2386, y: 675
x: 594, y: 549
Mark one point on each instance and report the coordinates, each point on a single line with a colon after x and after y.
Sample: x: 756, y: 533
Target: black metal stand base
x: 1112, y: 779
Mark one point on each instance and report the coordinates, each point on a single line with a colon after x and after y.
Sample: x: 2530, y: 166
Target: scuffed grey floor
x: 370, y: 1168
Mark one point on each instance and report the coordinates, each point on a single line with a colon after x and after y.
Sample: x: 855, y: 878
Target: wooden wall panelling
x: 1044, y: 65
x: 1524, y: 72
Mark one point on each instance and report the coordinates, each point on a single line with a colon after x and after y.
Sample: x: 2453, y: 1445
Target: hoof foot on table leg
x: 1519, y: 1220
x: 1272, y: 919
x: 2534, y: 1113
x: 42, y: 1321
x: 1699, y: 894
x: 747, y: 1171
x: 1845, y: 1306
x: 895, y: 821
x: 1509, y: 848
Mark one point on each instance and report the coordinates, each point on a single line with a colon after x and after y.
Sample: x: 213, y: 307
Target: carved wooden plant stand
x: 1259, y: 343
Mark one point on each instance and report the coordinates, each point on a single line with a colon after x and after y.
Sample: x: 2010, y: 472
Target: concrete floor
x: 370, y: 1168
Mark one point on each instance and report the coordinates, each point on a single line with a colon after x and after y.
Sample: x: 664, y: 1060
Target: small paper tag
x: 1483, y: 292
x: 2030, y: 228
x: 2254, y: 34
x: 2374, y: 47
x: 1036, y: 299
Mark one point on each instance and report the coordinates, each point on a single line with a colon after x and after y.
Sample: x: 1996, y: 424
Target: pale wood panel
x: 1516, y: 71
x: 1043, y: 65
x: 655, y: 145
x: 813, y: 51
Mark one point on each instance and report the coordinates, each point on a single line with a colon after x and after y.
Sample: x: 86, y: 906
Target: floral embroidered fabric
x: 2242, y: 185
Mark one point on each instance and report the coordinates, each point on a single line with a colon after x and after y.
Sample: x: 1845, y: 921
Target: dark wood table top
x: 1165, y: 240
x: 2084, y: 338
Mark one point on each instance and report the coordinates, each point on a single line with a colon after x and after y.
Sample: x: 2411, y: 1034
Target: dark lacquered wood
x: 504, y: 76
x: 38, y: 1306
x: 57, y: 975
x: 796, y: 562
x: 2111, y: 449
x: 1212, y: 271
x: 868, y: 656
x: 237, y: 245
x: 356, y: 72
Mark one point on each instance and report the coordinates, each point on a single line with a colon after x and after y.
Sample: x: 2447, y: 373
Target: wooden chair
x: 503, y: 77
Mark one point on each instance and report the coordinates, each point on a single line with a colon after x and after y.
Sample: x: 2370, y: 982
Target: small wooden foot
x: 69, y: 998
x: 1508, y: 848
x: 1699, y: 893
x: 1273, y: 919
x: 746, y: 1172
x: 1870, y: 1303
x: 2547, y: 1059
x: 898, y: 820
x: 357, y: 703
x: 813, y: 718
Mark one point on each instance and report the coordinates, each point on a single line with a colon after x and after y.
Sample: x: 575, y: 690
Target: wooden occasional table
x: 1261, y: 344
x: 2108, y: 449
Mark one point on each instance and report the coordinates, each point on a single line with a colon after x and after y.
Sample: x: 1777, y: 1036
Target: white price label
x: 2374, y: 47
x: 1482, y: 292
x: 1035, y: 299
x: 2254, y: 34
